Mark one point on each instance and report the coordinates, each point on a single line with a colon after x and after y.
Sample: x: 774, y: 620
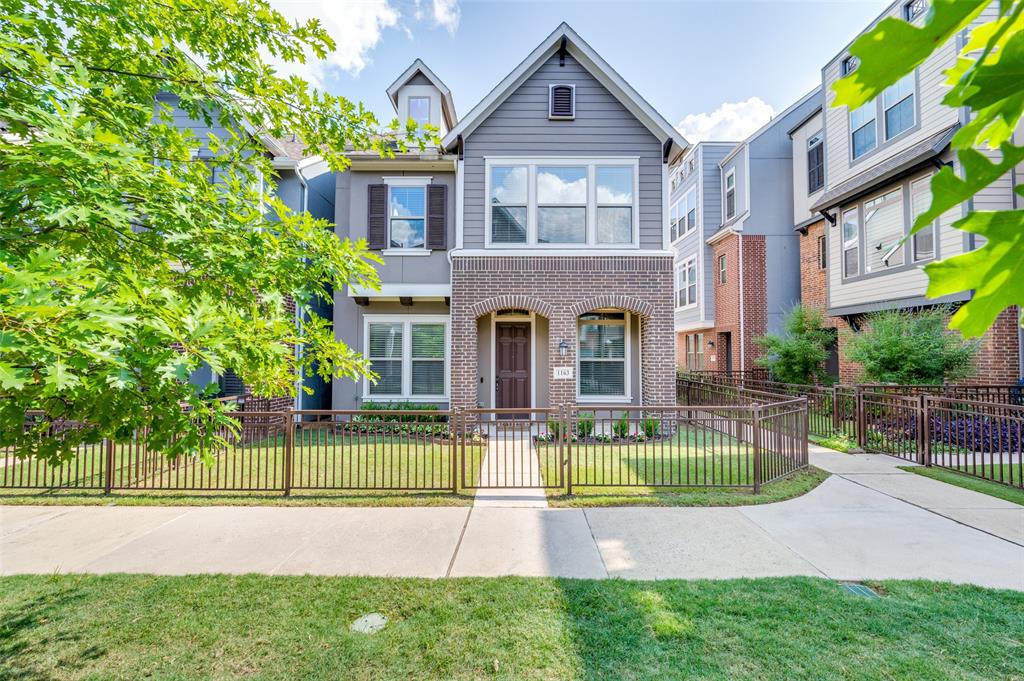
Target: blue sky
x: 685, y: 58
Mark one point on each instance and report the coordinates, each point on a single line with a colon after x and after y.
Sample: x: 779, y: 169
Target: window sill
x: 403, y: 398
x: 388, y: 252
x: 597, y: 401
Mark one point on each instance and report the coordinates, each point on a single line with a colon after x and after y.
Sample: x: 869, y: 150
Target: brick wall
x: 728, y: 301
x: 561, y: 289
x: 998, y: 360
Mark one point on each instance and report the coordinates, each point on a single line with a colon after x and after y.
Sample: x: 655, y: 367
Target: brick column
x: 463, y: 356
x: 562, y: 326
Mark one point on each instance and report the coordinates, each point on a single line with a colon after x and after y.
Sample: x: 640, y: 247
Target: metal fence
x: 743, y: 439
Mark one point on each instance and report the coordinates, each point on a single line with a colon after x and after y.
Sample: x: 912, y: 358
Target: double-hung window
x: 676, y: 219
x: 883, y: 230
x: 562, y: 202
x: 920, y: 200
x: 898, y: 103
x: 815, y: 163
x: 407, y: 212
x: 851, y: 243
x: 863, y: 135
x: 409, y: 355
x: 602, y: 354
x: 695, y: 352
x: 721, y: 269
x: 419, y: 110
x: 686, y: 283
x: 730, y: 194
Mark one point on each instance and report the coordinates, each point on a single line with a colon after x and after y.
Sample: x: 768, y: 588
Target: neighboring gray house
x: 747, y: 274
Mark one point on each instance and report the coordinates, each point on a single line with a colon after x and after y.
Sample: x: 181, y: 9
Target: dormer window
x: 562, y: 102
x: 419, y: 110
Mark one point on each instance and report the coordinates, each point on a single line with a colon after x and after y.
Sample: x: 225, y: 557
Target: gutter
x: 743, y: 356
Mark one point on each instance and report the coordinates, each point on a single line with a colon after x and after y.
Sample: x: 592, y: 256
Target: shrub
x: 652, y: 427
x: 584, y: 424
x: 798, y: 356
x: 911, y: 347
x: 621, y: 427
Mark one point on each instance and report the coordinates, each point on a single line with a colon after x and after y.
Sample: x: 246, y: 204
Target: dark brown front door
x: 512, y: 365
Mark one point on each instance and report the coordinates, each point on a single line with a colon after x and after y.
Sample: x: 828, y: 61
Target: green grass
x: 260, y: 627
x: 993, y: 489
x: 837, y: 441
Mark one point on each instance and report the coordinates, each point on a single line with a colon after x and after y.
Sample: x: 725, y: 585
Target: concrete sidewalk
x: 869, y: 521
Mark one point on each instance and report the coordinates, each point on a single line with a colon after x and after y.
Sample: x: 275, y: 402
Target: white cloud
x: 732, y: 121
x: 447, y: 14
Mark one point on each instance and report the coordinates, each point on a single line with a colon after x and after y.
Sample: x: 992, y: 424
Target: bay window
x: 883, y: 230
x: 602, y: 354
x: 923, y: 244
x: 851, y: 243
x: 409, y: 356
x: 562, y: 202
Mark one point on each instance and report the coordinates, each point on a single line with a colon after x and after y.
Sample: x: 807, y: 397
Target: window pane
x: 883, y: 228
x: 730, y: 203
x: 899, y: 90
x: 850, y: 227
x: 920, y: 200
x: 615, y: 225
x: 428, y: 341
x: 385, y: 341
x: 419, y: 109
x: 562, y: 225
x: 614, y: 185
x: 561, y: 185
x: 862, y: 115
x: 390, y: 377
x: 603, y: 378
x: 899, y: 118
x: 508, y: 225
x: 508, y: 185
x: 850, y: 262
x: 863, y: 140
x: 408, y: 202
x: 406, y: 233
x: 427, y: 377
x: 598, y: 341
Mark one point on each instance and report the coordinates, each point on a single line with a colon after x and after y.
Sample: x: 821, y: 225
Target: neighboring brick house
x: 737, y: 257
x: 860, y: 179
x: 526, y: 261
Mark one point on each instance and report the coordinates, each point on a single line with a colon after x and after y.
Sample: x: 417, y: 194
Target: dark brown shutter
x: 437, y: 217
x: 377, y: 216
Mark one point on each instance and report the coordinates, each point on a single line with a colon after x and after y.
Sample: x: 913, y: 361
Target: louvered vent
x: 562, y: 102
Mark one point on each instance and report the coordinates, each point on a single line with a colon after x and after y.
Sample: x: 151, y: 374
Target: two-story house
x: 527, y: 261
x: 737, y: 273
x: 860, y: 180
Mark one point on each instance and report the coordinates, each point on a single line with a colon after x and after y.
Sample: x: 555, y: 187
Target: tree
x: 800, y: 354
x: 899, y: 346
x: 123, y: 265
x: 988, y: 77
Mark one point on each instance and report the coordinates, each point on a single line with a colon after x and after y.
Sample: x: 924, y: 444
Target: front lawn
x: 201, y: 627
x: 993, y: 489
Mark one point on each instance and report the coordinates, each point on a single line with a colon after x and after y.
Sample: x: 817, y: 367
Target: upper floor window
x: 851, y: 243
x: 686, y: 283
x: 850, y: 65
x: 562, y: 102
x: 920, y: 199
x: 914, y: 9
x: 730, y: 194
x: 815, y: 163
x: 883, y: 230
x: 862, y: 129
x: 684, y: 214
x: 562, y: 204
x: 419, y: 110
x: 407, y: 215
x: 898, y: 103
x: 721, y: 269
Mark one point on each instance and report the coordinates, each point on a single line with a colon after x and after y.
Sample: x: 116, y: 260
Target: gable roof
x: 592, y: 62
x: 447, y: 103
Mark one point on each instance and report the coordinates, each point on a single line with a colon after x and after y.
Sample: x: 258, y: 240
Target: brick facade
x: 998, y: 360
x: 728, y: 329
x: 561, y: 289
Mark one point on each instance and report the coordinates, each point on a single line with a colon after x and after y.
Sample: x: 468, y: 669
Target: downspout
x: 743, y: 354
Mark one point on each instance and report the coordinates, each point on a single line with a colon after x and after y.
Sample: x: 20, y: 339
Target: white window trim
x: 721, y: 274
x: 591, y: 163
x: 725, y: 191
x: 691, y: 263
x: 691, y: 229
x: 551, y: 91
x: 430, y: 108
x: 407, y: 181
x: 407, y: 321
x: 627, y: 360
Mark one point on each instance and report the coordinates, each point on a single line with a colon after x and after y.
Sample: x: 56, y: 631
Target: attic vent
x: 562, y: 102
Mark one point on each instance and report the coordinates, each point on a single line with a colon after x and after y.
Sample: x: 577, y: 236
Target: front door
x: 512, y: 365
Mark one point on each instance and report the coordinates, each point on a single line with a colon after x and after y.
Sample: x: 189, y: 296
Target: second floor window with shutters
x: 730, y: 194
x: 407, y: 214
x: 407, y: 217
x: 815, y: 163
x: 562, y: 102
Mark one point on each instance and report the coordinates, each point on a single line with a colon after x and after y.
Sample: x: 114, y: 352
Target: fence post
x: 835, y: 408
x: 756, y: 432
x: 108, y: 474
x: 454, y: 435
x: 567, y: 440
x: 289, y: 450
x: 858, y: 402
x: 926, y: 426
x: 807, y: 432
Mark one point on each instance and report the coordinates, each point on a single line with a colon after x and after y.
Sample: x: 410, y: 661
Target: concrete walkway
x: 868, y: 521
x: 512, y: 470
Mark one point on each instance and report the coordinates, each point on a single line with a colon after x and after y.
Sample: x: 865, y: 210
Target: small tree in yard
x: 132, y: 251
x: 911, y: 347
x: 798, y: 356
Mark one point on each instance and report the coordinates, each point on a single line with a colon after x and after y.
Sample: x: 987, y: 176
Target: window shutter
x: 437, y: 217
x: 562, y: 104
x: 377, y: 216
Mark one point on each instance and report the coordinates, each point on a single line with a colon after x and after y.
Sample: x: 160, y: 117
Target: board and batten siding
x: 603, y: 127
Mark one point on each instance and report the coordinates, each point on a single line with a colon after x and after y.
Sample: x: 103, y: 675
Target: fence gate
x: 512, y: 448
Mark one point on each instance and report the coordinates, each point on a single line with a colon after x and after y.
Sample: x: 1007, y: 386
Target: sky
x: 716, y: 70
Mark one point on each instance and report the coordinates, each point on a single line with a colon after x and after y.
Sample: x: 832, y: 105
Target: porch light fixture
x: 711, y: 344
x: 563, y: 348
